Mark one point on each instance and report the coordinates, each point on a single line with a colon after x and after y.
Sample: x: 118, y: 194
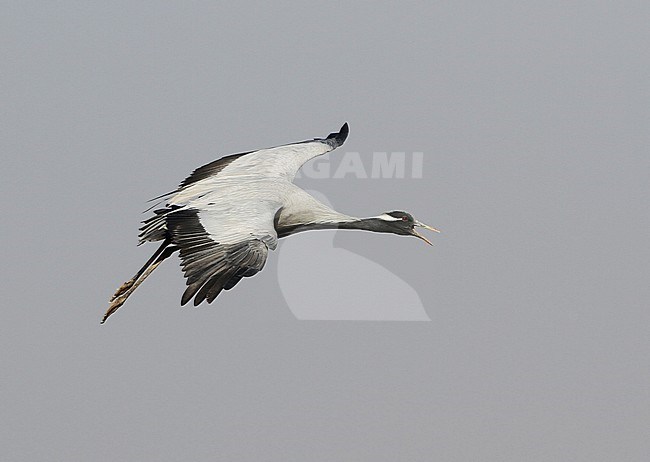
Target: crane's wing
x: 213, y: 258
x: 281, y: 162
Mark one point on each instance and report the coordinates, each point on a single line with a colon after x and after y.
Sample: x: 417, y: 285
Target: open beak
x: 420, y: 236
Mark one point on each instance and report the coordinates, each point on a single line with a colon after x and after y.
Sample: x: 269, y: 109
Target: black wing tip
x: 337, y: 139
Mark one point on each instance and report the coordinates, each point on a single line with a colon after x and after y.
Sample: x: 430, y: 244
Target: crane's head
x: 404, y: 224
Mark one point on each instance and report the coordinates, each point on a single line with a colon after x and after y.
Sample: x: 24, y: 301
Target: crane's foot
x: 123, y: 289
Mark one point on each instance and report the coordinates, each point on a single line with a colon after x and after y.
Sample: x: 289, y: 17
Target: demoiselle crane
x: 226, y: 216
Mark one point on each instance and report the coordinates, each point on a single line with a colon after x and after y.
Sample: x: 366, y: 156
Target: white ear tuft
x: 386, y: 217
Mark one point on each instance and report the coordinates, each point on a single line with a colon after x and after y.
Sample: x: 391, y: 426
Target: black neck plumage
x: 365, y: 224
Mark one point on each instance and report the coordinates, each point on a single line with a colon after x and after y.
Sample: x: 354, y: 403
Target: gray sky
x: 534, y: 123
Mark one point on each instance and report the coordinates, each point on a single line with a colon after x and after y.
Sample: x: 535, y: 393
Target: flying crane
x: 225, y: 217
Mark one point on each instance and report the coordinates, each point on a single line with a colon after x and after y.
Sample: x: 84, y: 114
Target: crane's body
x: 225, y: 217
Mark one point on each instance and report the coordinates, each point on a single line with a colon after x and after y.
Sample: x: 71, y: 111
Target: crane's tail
x: 125, y: 290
